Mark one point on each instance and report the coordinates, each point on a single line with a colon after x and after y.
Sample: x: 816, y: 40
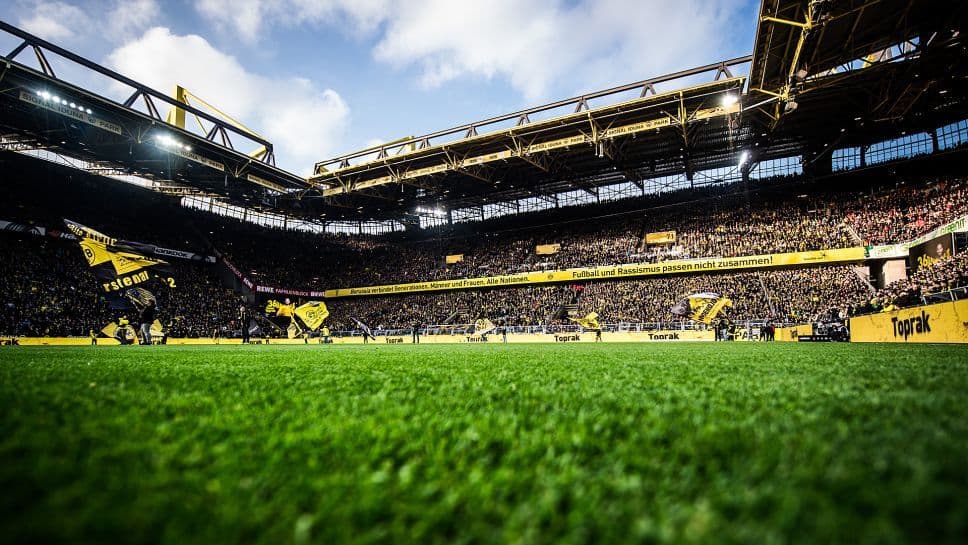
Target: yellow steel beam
x: 767, y: 92
x: 176, y: 115
x: 786, y: 22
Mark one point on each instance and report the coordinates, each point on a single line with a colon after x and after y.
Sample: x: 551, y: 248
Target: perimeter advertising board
x: 664, y: 336
x: 940, y: 323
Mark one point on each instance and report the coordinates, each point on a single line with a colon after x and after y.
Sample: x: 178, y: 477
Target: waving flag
x: 364, y: 328
x: 121, y: 266
x: 312, y: 314
x: 590, y: 321
x: 483, y: 326
x: 702, y: 307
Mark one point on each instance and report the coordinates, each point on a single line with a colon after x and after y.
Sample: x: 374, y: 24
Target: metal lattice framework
x: 578, y: 143
x: 131, y: 135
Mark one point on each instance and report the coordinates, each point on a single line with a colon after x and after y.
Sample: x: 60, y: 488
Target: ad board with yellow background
x: 940, y: 323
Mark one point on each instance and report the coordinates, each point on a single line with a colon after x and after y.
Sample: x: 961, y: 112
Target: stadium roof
x: 854, y: 71
x: 43, y: 111
x: 823, y: 75
x: 574, y: 145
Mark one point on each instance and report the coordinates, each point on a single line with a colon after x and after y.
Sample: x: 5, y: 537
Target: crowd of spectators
x: 720, y: 226
x: 780, y: 296
x: 942, y: 276
x: 47, y: 289
x: 709, y: 222
x: 907, y: 211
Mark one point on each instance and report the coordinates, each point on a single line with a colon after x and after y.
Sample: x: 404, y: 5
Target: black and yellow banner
x: 278, y: 309
x: 928, y: 253
x: 589, y: 321
x: 547, y: 249
x: 702, y: 307
x: 633, y: 270
x: 312, y: 314
x: 661, y: 237
x: 454, y: 258
x: 120, y: 266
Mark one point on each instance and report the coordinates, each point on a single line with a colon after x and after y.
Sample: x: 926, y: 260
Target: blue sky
x: 324, y: 77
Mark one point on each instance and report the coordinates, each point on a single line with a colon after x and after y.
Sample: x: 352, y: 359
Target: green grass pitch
x: 687, y: 443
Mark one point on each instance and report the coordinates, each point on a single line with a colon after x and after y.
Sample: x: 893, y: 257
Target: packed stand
x: 720, y: 221
x: 945, y: 275
x: 713, y: 225
x: 782, y: 296
x: 904, y: 213
x: 47, y: 289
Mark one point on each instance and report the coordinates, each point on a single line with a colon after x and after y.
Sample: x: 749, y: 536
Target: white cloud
x: 520, y: 41
x: 54, y: 21
x: 248, y: 18
x: 302, y: 121
x: 62, y: 21
x: 129, y: 17
x: 242, y: 16
x: 537, y: 46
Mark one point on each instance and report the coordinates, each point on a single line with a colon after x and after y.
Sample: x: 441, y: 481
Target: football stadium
x: 725, y: 304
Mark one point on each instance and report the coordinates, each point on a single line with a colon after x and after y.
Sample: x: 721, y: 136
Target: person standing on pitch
x: 243, y: 317
x: 416, y: 333
x: 147, y: 317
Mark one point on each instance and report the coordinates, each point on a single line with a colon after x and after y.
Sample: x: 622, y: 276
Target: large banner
x: 150, y: 249
x: 286, y: 291
x: 702, y: 307
x: 547, y: 249
x: 928, y: 253
x: 661, y: 237
x: 632, y: 270
x: 121, y: 267
x: 940, y: 323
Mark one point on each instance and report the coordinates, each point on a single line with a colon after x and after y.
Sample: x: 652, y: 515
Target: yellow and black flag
x: 312, y: 314
x: 121, y: 267
x: 590, y: 321
x: 483, y: 326
x: 702, y: 307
